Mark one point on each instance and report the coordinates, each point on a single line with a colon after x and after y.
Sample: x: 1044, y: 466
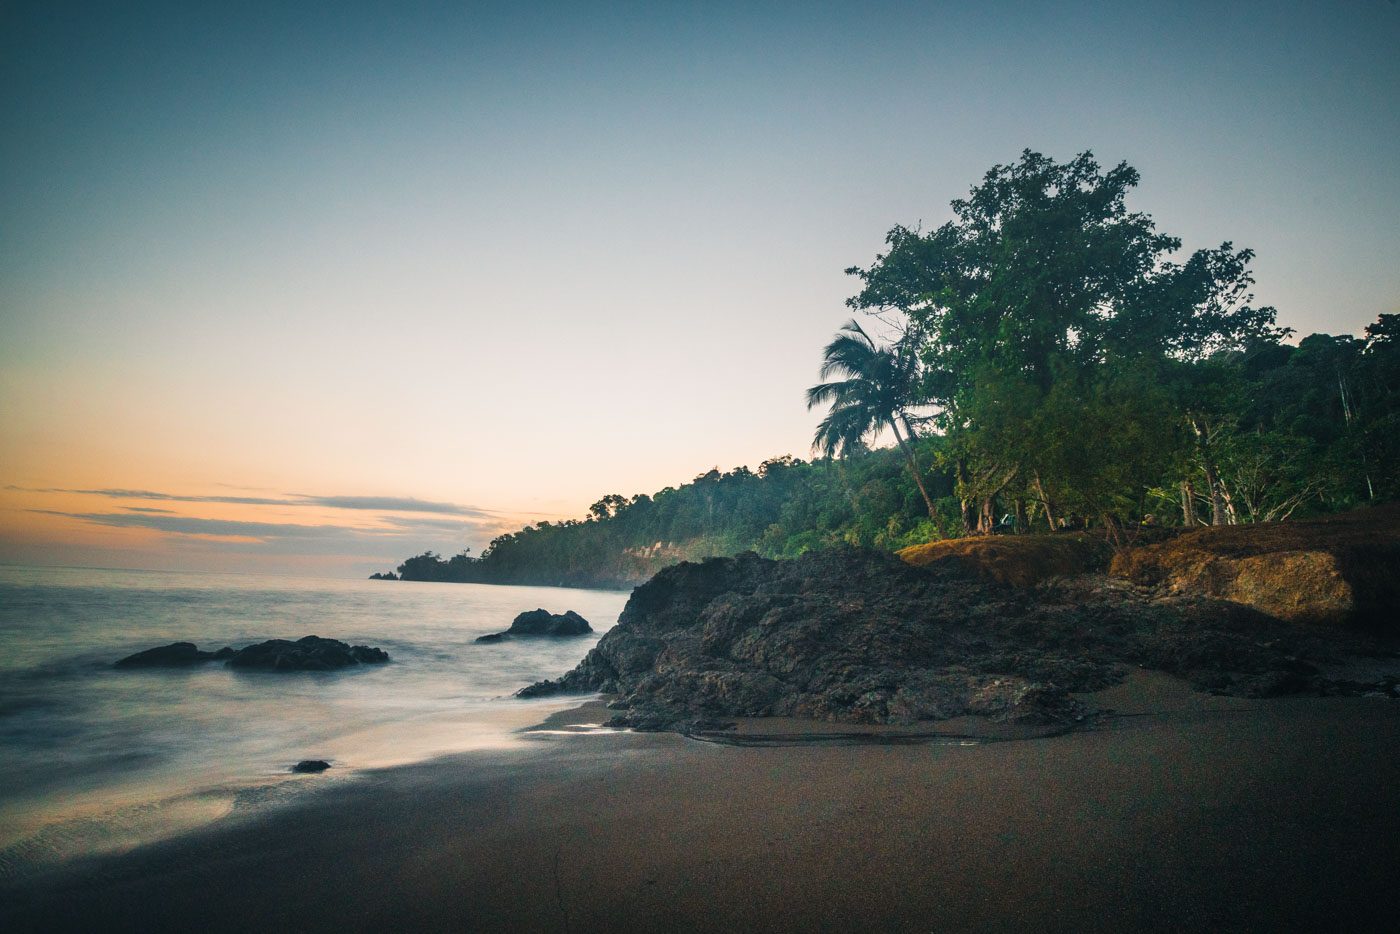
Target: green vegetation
x: 1079, y: 374
x: 1056, y: 366
x: 877, y: 387
x: 784, y: 508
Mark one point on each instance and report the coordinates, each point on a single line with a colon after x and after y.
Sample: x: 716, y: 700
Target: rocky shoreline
x: 860, y: 636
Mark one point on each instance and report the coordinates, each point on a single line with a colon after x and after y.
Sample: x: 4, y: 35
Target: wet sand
x: 1183, y: 812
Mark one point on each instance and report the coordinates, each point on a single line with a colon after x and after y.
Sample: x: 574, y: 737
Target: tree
x: 425, y: 567
x: 878, y: 387
x: 1045, y: 288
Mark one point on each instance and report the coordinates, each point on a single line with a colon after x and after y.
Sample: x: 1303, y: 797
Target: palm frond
x: 878, y: 384
x: 843, y: 430
x: 834, y: 392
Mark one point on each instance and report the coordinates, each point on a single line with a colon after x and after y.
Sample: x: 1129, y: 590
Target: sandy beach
x: 1181, y: 812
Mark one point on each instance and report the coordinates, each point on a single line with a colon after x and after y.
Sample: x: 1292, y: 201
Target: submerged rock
x: 311, y: 766
x: 174, y: 655
x: 543, y: 623
x: 309, y: 653
x: 863, y: 637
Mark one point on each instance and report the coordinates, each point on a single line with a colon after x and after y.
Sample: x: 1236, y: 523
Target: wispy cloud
x: 398, y: 528
x: 359, y: 503
x: 190, y: 525
x: 390, y: 504
x: 417, y: 522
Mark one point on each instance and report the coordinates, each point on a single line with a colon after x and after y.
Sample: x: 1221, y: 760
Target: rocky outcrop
x: 863, y: 637
x: 174, y: 655
x: 543, y: 623
x: 309, y: 653
x: 1337, y: 571
x: 311, y: 766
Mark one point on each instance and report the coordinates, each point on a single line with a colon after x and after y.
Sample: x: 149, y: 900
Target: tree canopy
x: 1052, y: 323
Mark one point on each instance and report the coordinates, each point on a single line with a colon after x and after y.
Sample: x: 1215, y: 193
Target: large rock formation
x: 1335, y: 571
x: 862, y: 636
x: 543, y: 623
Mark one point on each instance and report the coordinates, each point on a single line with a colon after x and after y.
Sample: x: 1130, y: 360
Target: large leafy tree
x: 876, y: 387
x: 1042, y: 290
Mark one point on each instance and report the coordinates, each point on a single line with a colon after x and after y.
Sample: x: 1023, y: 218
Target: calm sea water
x: 94, y: 759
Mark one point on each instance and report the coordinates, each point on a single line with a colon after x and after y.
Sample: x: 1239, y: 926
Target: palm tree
x: 877, y: 387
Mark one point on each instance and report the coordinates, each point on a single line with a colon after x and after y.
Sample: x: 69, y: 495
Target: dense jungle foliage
x: 1054, y: 365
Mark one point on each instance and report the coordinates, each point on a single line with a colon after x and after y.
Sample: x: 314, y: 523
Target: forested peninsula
x: 1046, y: 361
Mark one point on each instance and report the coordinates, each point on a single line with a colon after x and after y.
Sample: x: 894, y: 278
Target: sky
x: 306, y: 289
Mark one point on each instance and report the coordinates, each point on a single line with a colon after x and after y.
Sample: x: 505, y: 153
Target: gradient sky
x: 310, y: 289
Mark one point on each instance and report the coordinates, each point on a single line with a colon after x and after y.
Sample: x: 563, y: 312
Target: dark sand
x: 1185, y: 812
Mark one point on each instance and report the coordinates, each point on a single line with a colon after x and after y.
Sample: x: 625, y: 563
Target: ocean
x: 95, y: 759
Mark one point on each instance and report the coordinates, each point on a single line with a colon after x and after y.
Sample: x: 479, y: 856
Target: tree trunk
x: 1231, y: 516
x: 1188, y: 504
x: 914, y: 469
x: 1045, y: 501
x: 964, y: 504
x: 1112, y: 532
x: 1347, y: 414
x: 908, y: 428
x: 1217, y: 503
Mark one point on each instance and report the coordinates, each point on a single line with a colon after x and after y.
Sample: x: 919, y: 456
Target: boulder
x: 1335, y: 571
x: 543, y: 623
x: 311, y: 766
x: 309, y: 653
x: 174, y: 655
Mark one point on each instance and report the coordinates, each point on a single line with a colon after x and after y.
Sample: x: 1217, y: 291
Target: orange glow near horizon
x: 91, y: 529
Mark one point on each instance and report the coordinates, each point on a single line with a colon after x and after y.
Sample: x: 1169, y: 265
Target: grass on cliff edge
x: 1016, y: 560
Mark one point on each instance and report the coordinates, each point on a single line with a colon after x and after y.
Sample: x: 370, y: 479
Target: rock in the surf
x: 543, y: 623
x: 174, y: 655
x: 309, y: 653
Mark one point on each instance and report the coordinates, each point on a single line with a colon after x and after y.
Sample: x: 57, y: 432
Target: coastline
x: 1182, y: 811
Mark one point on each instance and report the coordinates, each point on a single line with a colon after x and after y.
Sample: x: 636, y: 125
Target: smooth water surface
x: 94, y: 758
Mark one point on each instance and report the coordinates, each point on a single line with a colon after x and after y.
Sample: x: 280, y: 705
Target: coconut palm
x: 878, y: 386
